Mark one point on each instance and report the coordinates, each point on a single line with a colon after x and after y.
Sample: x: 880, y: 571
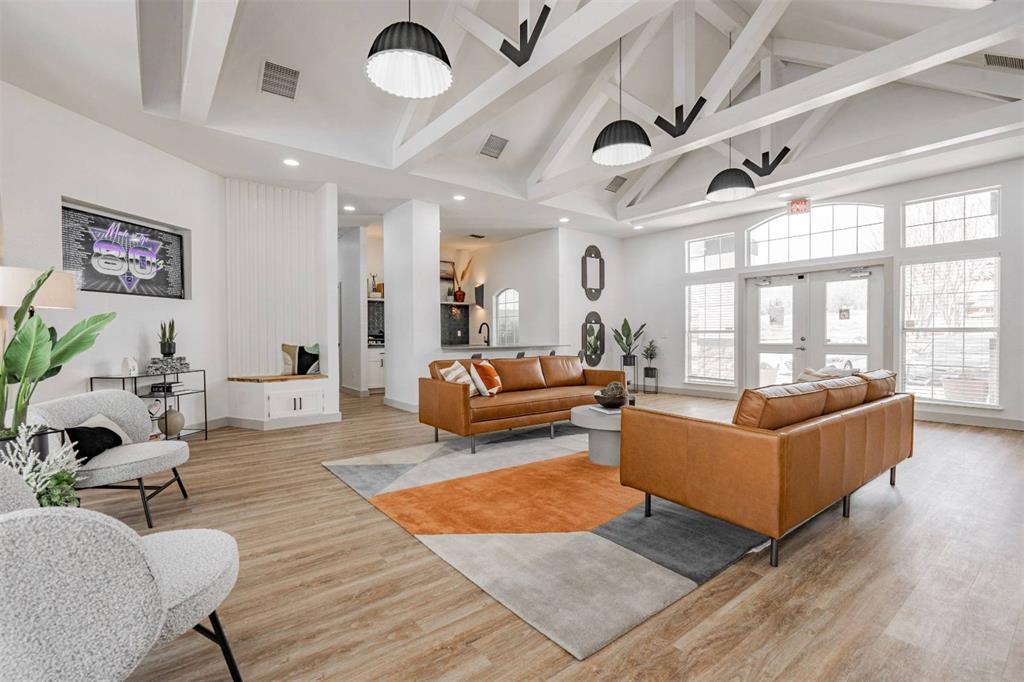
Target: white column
x: 412, y: 322
x: 326, y: 203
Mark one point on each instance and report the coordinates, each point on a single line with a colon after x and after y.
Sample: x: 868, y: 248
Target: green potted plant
x: 168, y: 335
x: 649, y: 353
x: 34, y: 353
x: 628, y: 340
x: 52, y: 478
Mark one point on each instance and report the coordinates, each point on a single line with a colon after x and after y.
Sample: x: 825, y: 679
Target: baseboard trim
x: 358, y: 393
x: 969, y: 420
x: 284, y: 422
x: 400, y: 405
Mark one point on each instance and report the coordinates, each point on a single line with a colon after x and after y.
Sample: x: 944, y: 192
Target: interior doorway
x: 813, y: 319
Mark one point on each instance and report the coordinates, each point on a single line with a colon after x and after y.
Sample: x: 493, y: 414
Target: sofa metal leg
x: 773, y: 552
x: 846, y: 506
x: 181, y: 485
x: 220, y: 638
x: 145, y: 503
x: 892, y: 476
x: 647, y: 504
x: 435, y: 434
x: 472, y: 444
x: 552, y: 425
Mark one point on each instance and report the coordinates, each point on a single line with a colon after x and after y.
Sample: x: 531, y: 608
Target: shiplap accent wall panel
x: 273, y: 236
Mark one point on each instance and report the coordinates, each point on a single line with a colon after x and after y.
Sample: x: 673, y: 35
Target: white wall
x: 352, y: 259
x: 46, y: 153
x: 573, y: 302
x: 658, y: 277
x: 528, y: 264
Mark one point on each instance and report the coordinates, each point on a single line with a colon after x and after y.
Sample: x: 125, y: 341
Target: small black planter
x: 651, y: 373
x: 168, y: 349
x: 628, y: 360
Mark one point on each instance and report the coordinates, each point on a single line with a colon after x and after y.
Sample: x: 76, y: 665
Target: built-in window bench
x: 278, y: 401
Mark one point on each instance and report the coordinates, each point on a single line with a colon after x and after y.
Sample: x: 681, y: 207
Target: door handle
x: 800, y: 348
x: 300, y: 404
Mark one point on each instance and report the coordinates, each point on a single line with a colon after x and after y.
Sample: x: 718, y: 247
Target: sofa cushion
x: 773, y: 407
x: 536, y: 401
x: 455, y: 373
x: 436, y: 366
x: 562, y: 370
x: 519, y: 374
x: 881, y: 383
x: 843, y: 392
x: 486, y: 378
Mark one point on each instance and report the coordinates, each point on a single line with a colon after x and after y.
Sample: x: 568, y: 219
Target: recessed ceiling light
x: 291, y: 162
x: 348, y: 207
x: 785, y: 195
x: 459, y: 197
x: 638, y: 227
x: 563, y: 220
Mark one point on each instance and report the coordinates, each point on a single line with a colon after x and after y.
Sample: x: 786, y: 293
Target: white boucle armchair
x: 83, y: 597
x: 130, y: 462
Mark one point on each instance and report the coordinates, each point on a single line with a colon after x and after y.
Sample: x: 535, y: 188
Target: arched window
x: 828, y: 230
x: 506, y: 317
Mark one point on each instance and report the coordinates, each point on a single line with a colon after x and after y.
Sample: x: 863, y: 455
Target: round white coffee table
x: 603, y: 432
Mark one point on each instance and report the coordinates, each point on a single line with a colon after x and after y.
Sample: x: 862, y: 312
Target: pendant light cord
x: 730, y: 102
x: 620, y: 77
x: 410, y: 11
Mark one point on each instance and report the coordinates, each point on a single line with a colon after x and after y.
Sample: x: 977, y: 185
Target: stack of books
x: 167, y: 388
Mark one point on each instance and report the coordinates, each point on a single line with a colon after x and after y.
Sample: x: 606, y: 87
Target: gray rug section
x: 578, y: 589
x: 692, y: 544
x: 368, y: 479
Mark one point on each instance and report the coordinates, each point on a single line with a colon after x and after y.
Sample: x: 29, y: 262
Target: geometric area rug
x: 554, y: 538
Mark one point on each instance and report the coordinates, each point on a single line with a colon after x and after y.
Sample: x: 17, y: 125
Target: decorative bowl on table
x: 612, y: 396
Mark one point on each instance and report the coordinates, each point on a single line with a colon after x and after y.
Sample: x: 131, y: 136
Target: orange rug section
x: 560, y: 495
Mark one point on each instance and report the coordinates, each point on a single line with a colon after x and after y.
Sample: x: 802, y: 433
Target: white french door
x: 814, y: 320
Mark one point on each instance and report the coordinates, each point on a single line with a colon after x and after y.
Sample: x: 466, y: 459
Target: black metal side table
x: 149, y: 394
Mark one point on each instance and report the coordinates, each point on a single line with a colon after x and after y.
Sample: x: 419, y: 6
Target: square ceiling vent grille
x: 494, y: 146
x: 616, y: 184
x: 279, y: 80
x: 1003, y: 60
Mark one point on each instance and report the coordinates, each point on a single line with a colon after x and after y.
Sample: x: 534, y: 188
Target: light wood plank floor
x: 924, y: 581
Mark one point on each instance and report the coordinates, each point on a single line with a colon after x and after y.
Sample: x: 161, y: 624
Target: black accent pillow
x: 92, y: 440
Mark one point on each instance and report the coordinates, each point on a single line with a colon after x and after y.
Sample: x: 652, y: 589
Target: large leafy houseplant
x: 35, y: 353
x: 628, y: 340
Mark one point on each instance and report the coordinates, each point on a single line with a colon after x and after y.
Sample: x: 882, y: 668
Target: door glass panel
x: 776, y: 368
x: 857, y: 362
x: 775, y: 312
x: 846, y: 311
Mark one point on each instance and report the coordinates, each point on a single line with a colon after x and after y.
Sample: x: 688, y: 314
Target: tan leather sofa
x: 535, y: 390
x: 791, y: 451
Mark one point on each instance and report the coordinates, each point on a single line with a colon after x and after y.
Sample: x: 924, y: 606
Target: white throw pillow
x: 457, y: 374
x: 107, y: 423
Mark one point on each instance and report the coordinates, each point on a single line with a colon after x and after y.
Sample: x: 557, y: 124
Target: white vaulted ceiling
x: 199, y: 81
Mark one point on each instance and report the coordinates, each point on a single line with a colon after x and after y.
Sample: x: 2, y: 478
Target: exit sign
x: 799, y: 206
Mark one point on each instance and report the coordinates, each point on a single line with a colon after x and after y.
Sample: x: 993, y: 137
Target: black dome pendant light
x: 732, y: 183
x: 407, y: 60
x: 621, y: 142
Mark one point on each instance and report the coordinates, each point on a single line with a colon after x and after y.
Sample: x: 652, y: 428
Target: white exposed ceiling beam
x: 959, y: 78
x: 948, y: 4
x: 809, y: 129
x: 206, y: 43
x: 417, y: 111
x: 947, y: 133
x: 721, y: 82
x: 481, y: 30
x: 593, y: 101
x: 997, y: 23
x: 587, y: 31
x: 771, y: 78
x: 684, y: 53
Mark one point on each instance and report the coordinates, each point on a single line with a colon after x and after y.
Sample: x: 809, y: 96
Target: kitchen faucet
x: 487, y: 336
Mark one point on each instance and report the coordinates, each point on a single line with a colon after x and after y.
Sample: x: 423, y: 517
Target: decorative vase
x: 129, y: 367
x: 171, y: 422
x: 460, y: 295
x: 168, y: 349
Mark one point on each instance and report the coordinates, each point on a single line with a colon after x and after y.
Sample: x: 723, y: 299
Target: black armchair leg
x: 145, y: 503
x: 220, y: 638
x: 181, y: 484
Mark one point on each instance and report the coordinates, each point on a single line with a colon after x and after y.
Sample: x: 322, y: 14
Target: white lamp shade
x: 57, y: 293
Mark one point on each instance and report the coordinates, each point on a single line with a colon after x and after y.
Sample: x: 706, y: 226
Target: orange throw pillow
x: 488, y: 376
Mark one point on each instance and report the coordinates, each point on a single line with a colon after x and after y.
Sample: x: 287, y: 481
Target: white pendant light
x: 623, y: 141
x: 732, y: 183
x: 407, y: 60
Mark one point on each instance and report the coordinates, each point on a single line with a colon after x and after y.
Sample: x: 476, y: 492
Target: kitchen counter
x: 478, y: 347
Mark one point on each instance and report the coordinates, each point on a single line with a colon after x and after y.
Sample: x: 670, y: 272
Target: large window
x: 951, y: 331
x: 953, y: 218
x: 828, y: 230
x: 710, y: 253
x: 710, y: 333
x: 506, y: 317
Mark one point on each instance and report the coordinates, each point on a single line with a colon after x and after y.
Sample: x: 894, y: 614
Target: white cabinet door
x: 281, y: 404
x: 375, y: 371
x: 309, y: 402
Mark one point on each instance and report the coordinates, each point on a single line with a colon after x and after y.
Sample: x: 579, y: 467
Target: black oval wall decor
x: 592, y: 339
x: 592, y: 272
